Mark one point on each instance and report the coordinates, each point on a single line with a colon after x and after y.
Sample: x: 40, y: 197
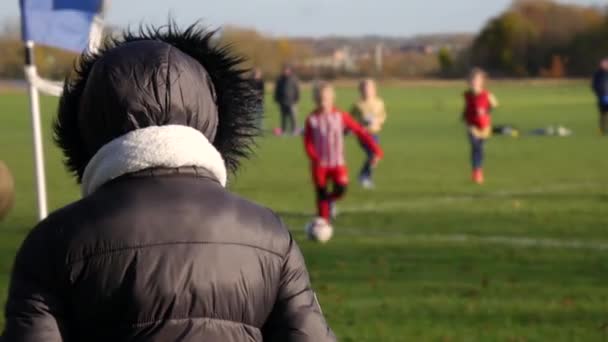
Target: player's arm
x: 363, y: 135
x: 493, y: 101
x: 296, y: 315
x: 34, y: 310
x: 309, y: 144
x: 357, y: 114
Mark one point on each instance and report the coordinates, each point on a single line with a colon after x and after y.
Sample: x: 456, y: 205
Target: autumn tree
x: 526, y: 38
x: 265, y: 52
x: 587, y: 49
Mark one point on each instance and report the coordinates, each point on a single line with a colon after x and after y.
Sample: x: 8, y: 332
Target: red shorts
x: 480, y: 121
x: 321, y: 175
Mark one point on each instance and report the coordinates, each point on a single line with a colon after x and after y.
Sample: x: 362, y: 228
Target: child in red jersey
x: 324, y: 143
x: 479, y: 103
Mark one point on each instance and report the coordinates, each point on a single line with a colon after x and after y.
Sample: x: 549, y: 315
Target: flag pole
x: 30, y: 69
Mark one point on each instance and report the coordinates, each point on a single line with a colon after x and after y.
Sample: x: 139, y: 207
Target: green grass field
x: 427, y: 256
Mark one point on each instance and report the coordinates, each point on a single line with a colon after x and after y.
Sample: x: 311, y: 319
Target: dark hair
x: 235, y: 99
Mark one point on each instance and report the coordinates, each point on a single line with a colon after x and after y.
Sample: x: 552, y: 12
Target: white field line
x: 511, y: 241
x: 431, y: 201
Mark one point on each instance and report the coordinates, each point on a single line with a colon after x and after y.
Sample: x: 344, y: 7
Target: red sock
x: 323, y: 207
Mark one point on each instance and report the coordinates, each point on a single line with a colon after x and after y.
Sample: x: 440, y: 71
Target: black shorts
x: 603, y: 108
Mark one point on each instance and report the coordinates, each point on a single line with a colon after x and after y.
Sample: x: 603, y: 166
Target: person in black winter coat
x: 287, y: 96
x: 157, y: 249
x: 600, y: 88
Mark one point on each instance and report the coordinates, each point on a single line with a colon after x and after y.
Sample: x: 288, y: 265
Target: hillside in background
x: 530, y: 38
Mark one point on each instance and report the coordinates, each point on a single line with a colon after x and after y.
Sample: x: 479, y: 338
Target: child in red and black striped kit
x: 479, y: 103
x: 324, y: 143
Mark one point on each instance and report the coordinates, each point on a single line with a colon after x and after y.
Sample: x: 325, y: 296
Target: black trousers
x: 288, y: 118
x: 604, y: 120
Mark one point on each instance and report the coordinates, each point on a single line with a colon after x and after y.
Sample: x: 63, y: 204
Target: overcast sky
x: 311, y: 17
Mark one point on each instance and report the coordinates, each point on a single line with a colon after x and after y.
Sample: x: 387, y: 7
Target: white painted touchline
x: 492, y: 239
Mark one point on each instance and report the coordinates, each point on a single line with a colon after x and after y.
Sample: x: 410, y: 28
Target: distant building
x: 340, y: 59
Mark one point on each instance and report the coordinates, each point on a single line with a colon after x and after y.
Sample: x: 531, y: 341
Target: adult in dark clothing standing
x: 287, y: 96
x: 158, y: 250
x: 259, y: 87
x: 600, y: 88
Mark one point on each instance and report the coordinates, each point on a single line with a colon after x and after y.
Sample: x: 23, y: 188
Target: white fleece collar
x: 152, y: 147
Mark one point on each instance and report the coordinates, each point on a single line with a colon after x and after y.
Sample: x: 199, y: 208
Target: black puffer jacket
x: 165, y: 257
x: 158, y: 249
x: 287, y: 90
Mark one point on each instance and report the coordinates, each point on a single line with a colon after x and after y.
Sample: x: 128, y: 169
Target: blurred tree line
x: 541, y: 38
x: 267, y: 53
x: 531, y: 38
x: 264, y: 52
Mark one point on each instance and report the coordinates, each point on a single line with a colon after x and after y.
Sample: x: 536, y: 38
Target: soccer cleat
x: 477, y: 176
x: 367, y: 183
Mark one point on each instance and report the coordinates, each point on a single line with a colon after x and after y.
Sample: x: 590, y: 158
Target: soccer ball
x: 319, y: 230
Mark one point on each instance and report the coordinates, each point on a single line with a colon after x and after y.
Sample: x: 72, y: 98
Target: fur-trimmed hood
x: 157, y: 77
x: 171, y: 146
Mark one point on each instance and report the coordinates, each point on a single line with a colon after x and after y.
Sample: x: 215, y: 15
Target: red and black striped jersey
x: 324, y: 137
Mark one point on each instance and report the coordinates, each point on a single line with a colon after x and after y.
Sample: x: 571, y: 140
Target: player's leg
x: 293, y: 127
x: 477, y: 156
x: 284, y: 116
x: 339, y: 178
x: 323, y: 196
x: 323, y: 203
x: 366, y: 173
x: 338, y: 192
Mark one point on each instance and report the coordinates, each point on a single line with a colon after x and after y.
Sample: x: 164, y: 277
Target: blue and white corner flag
x: 65, y: 24
x: 74, y: 25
